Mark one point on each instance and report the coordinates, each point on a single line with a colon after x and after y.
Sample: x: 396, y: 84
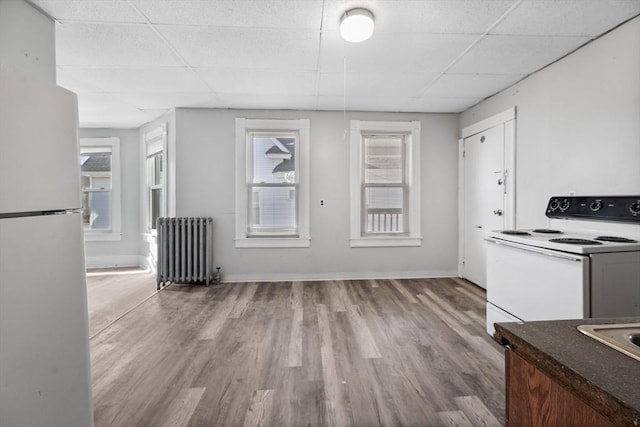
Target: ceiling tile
x: 515, y: 54
x: 260, y: 82
x: 246, y: 48
x: 410, y: 53
x: 471, y: 85
x: 441, y: 104
x: 158, y: 101
x: 75, y: 82
x: 267, y: 102
x: 425, y: 16
x: 155, y: 113
x: 363, y: 103
x: 90, y: 10
x: 234, y: 13
x: 148, y: 56
x: 164, y: 79
x: 111, y: 45
x: 383, y: 84
x: 105, y: 110
x: 567, y: 17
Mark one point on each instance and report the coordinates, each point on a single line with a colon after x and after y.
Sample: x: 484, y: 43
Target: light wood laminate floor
x: 113, y: 292
x: 327, y: 353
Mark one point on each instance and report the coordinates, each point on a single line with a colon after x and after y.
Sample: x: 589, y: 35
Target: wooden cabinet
x: 535, y: 400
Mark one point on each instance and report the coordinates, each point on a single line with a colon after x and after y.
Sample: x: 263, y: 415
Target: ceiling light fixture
x: 356, y: 25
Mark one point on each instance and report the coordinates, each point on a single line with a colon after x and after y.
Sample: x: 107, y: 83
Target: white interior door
x: 484, y: 184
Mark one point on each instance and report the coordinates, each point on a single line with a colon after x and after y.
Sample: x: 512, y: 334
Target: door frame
x: 508, y: 118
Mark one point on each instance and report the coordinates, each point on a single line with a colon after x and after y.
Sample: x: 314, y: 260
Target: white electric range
x: 586, y: 263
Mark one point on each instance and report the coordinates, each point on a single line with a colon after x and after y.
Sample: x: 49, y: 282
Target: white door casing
x: 486, y: 189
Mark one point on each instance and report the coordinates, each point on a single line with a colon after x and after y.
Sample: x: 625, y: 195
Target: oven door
x: 531, y: 283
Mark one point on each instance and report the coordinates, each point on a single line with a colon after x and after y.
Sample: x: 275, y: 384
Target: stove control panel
x: 608, y: 208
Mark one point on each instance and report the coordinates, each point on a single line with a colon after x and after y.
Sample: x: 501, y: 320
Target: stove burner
x: 515, y: 233
x: 571, y: 241
x: 615, y: 239
x: 547, y: 231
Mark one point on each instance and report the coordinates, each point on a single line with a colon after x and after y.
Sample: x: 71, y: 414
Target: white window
x: 155, y: 198
x: 100, y: 181
x: 272, y: 184
x: 385, y: 184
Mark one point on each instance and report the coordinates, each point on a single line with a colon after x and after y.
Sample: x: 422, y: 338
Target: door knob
x: 500, y: 181
x: 498, y: 212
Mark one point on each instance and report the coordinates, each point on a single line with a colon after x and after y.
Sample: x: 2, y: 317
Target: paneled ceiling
x: 130, y: 61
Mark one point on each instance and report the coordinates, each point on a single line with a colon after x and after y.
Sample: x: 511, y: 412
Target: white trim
x: 243, y: 126
x: 510, y: 174
x: 99, y: 236
x: 308, y: 277
x: 116, y: 211
x: 155, y: 141
x: 460, y: 206
x: 508, y: 118
x: 147, y: 262
x: 489, y: 122
x: 109, y: 261
x: 358, y: 127
x: 376, y: 242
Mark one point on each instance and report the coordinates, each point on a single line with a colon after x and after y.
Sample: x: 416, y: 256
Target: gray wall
x: 205, y: 161
x: 124, y: 252
x: 578, y: 124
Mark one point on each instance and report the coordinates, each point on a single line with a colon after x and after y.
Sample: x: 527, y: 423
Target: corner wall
x: 205, y: 186
x: 578, y: 124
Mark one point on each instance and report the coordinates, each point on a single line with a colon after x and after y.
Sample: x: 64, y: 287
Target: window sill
x: 101, y: 237
x: 378, y: 242
x: 279, y: 242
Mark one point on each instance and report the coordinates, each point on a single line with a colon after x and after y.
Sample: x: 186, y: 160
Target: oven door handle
x: 541, y: 251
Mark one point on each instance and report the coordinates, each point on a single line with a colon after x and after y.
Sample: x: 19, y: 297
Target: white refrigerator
x: 44, y: 340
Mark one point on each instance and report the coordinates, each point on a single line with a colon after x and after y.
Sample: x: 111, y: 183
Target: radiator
x: 185, y: 250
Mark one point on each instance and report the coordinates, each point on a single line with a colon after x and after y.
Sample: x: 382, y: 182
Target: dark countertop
x: 604, y: 378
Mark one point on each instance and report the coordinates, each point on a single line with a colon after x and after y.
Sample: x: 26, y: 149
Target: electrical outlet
x: 322, y: 202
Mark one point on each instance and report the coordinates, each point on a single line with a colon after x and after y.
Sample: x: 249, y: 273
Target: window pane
x: 384, y: 210
x: 383, y: 161
x: 96, y: 213
x: 96, y: 169
x: 273, y: 159
x: 155, y: 202
x: 273, y: 209
x: 157, y: 173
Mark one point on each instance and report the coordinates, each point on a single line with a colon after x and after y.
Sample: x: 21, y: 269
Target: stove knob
x: 596, y: 206
x: 554, y: 204
x: 564, y: 205
x: 635, y: 208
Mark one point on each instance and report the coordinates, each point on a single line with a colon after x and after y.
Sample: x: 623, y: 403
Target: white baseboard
x: 307, y: 277
x: 115, y: 261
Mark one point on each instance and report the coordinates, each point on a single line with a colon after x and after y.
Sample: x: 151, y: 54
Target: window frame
x: 155, y: 143
x: 245, y: 128
x: 113, y: 144
x: 411, y: 236
x: 402, y: 184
